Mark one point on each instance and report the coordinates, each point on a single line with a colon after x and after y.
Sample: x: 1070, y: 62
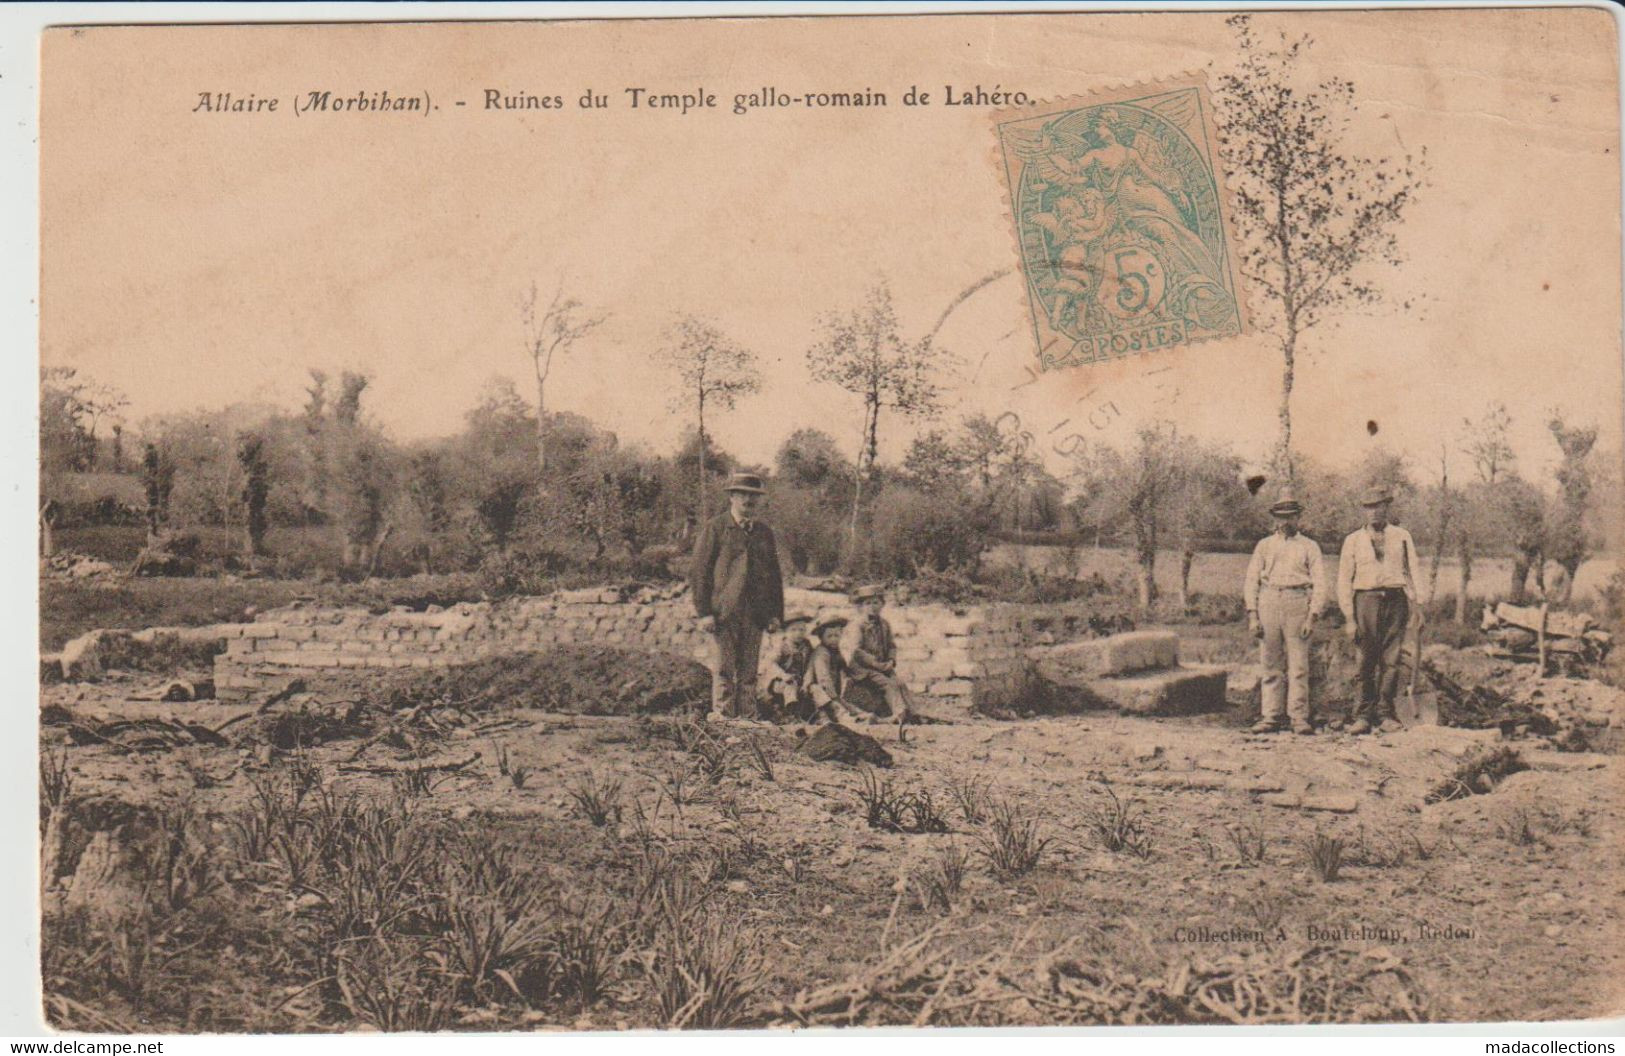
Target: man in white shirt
x: 1285, y: 590
x: 1376, y: 589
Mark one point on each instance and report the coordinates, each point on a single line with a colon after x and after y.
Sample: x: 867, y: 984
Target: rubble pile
x: 1571, y: 642
x: 67, y: 565
x: 1483, y: 689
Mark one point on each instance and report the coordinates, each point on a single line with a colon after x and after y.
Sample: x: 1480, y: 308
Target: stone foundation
x: 942, y: 651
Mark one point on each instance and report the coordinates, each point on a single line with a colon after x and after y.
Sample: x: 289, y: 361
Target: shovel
x: 1415, y: 717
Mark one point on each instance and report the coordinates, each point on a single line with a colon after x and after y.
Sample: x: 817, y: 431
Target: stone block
x: 261, y: 630
x: 928, y: 671
x: 951, y: 687
x: 946, y: 626
x: 1118, y: 654
x: 1180, y: 691
x: 1333, y: 802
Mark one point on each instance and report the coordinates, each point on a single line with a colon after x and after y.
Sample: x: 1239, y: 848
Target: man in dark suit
x: 738, y: 594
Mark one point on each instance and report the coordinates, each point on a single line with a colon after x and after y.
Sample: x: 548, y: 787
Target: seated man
x: 782, y: 697
x: 825, y: 681
x: 874, y: 659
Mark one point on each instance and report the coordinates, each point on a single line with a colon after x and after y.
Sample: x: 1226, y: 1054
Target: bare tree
x: 1477, y: 528
x: 548, y: 332
x: 1488, y: 443
x: 863, y: 352
x: 1310, y: 214
x: 1475, y: 522
x: 714, y: 371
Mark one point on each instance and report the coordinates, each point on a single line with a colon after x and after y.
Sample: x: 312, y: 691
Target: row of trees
x: 509, y: 488
x: 1167, y: 492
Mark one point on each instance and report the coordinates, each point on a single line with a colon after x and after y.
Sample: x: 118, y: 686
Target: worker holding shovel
x: 1376, y: 589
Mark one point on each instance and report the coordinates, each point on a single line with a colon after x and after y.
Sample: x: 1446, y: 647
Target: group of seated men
x: 810, y: 679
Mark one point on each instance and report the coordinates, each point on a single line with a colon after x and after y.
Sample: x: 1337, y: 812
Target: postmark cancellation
x: 1121, y: 223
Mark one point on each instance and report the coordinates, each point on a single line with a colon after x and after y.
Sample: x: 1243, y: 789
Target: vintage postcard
x: 729, y: 523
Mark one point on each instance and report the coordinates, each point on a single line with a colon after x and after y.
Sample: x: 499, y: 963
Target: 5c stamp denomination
x: 1121, y: 226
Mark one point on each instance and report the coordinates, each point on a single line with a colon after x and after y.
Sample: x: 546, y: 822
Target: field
x: 1222, y: 573
x: 69, y: 608
x: 606, y: 873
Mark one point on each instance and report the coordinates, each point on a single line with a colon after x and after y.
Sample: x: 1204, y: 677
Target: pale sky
x: 195, y: 259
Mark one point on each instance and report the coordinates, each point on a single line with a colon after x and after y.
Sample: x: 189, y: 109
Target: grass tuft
x: 597, y: 801
x: 1011, y: 842
x: 1119, y: 825
x: 1249, y: 840
x: 1325, y: 855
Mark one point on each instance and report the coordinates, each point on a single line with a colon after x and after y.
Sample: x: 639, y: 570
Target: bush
x: 503, y: 574
x: 912, y: 532
x: 810, y: 528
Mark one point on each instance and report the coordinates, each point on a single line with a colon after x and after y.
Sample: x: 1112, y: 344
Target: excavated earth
x: 1504, y: 906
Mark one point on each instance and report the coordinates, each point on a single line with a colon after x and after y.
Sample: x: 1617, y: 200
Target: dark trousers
x: 733, y: 680
x: 1380, y: 619
x: 876, y: 690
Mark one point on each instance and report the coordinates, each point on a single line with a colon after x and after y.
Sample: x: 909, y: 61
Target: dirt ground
x: 1500, y: 906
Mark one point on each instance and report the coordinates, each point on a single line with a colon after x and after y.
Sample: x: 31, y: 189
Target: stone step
x: 1077, y: 663
x: 1178, y: 691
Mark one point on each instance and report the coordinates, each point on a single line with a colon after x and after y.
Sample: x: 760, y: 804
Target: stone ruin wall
x: 943, y: 651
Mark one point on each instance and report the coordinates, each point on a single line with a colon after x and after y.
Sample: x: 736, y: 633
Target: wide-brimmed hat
x: 1286, y: 506
x: 749, y: 483
x: 1376, y: 497
x: 827, y: 622
x: 871, y: 590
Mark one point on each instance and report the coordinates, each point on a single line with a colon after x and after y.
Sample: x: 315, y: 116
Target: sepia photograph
x: 977, y: 519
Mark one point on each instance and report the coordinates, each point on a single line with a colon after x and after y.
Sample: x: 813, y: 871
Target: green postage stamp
x: 1122, y: 223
